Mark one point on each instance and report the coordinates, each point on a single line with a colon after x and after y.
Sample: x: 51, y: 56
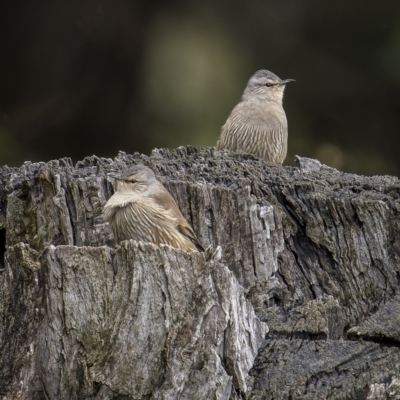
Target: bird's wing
x: 167, y: 222
x: 186, y: 230
x: 164, y: 199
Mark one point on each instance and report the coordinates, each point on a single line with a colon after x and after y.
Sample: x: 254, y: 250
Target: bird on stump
x: 258, y: 125
x: 142, y: 209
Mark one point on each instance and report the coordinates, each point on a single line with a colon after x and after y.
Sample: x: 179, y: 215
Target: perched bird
x: 258, y: 125
x: 142, y: 209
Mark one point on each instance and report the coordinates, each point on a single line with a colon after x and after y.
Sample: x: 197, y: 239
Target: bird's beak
x: 115, y: 176
x: 285, y: 81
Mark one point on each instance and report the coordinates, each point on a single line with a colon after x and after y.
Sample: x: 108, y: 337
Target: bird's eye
x: 268, y: 84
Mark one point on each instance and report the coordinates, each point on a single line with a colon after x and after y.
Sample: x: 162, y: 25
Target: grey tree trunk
x: 302, y: 303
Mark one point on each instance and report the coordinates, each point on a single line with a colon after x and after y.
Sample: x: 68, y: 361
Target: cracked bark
x: 303, y: 302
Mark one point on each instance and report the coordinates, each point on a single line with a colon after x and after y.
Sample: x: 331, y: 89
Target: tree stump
x: 301, y: 302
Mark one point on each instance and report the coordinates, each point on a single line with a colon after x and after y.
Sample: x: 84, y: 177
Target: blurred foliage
x: 9, y: 150
x: 95, y: 76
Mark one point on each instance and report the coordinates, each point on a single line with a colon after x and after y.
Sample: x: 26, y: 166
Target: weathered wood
x: 313, y: 251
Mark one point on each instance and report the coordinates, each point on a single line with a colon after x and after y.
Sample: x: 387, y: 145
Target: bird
x: 258, y: 124
x: 142, y: 209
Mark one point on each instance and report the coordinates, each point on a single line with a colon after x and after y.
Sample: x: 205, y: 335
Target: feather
x: 146, y: 211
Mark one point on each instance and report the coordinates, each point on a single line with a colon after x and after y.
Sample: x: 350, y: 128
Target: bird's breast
x: 259, y: 113
x: 258, y: 128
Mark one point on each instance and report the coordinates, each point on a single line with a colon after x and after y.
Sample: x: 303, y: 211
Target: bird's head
x: 265, y: 84
x: 134, y: 179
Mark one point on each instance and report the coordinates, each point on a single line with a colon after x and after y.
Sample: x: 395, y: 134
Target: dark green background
x: 93, y: 77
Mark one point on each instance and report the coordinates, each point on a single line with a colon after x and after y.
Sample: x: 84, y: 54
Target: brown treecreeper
x: 258, y: 124
x: 142, y: 209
